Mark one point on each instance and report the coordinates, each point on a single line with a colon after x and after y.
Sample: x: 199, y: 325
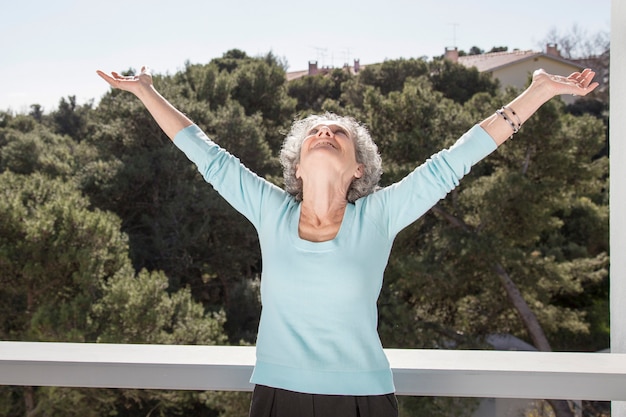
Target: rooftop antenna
x: 347, y: 55
x: 321, y: 54
x: 454, y: 26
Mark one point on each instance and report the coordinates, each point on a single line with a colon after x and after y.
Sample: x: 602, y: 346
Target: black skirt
x: 275, y: 402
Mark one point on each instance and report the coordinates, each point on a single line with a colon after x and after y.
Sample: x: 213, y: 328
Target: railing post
x: 617, y: 138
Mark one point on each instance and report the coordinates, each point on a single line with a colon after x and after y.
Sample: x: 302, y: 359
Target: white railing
x: 457, y: 373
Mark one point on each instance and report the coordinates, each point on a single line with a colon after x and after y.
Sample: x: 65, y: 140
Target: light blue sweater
x: 318, y: 329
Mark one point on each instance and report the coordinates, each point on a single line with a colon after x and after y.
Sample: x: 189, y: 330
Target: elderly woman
x: 326, y: 239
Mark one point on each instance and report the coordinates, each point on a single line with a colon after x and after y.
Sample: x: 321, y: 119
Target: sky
x: 50, y: 49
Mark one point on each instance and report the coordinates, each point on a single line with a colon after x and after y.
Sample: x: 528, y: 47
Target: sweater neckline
x: 326, y: 245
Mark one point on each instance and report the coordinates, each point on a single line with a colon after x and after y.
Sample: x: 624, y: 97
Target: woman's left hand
x: 543, y: 88
x: 578, y: 83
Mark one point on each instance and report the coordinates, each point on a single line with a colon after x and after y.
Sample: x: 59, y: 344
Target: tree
x: 205, y: 83
x: 520, y: 247
x: 312, y: 91
x: 138, y: 309
x: 36, y: 112
x: 391, y: 75
x: 34, y: 148
x: 444, y: 285
x: 487, y: 259
x: 54, y: 252
x: 71, y: 119
x: 260, y: 87
x: 459, y: 83
x: 67, y: 277
x: 175, y: 221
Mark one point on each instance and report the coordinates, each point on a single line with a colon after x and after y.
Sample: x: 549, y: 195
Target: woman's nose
x: 324, y: 131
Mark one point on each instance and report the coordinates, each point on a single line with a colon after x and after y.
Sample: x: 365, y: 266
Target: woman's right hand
x: 170, y: 119
x: 133, y: 83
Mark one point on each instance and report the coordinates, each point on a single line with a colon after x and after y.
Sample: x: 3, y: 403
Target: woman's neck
x: 321, y: 217
x: 324, y: 199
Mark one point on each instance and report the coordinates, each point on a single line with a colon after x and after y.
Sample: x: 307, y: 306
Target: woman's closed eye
x: 340, y: 131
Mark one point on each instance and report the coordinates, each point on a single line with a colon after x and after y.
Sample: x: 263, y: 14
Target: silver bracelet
x: 519, y: 122
x: 515, y: 128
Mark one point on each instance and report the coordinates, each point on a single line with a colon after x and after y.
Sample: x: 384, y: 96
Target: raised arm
x: 502, y: 124
x: 170, y: 119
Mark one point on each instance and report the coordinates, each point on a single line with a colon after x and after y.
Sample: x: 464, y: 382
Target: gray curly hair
x: 366, y: 154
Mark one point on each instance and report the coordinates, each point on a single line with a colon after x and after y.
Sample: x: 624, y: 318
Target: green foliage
x: 205, y: 83
x: 140, y: 310
x: 256, y: 84
x: 243, y: 136
x: 175, y: 221
x: 89, y: 196
x: 231, y: 60
x: 37, y: 149
x: 54, y: 252
x: 79, y: 402
x: 436, y: 406
x: 412, y: 124
x: 391, y: 75
x: 313, y: 91
x: 459, y: 83
x: 59, y: 261
x: 260, y: 87
x: 539, y: 209
x: 70, y: 118
x: 498, y: 49
x: 228, y: 404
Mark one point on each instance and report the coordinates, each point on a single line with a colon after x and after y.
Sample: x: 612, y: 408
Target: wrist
x: 540, y: 89
x: 146, y: 92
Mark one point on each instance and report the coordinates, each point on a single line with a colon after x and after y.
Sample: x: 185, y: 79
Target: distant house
x: 510, y: 68
x: 515, y: 68
x: 315, y: 70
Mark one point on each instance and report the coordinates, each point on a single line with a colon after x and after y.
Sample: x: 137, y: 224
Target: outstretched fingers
x: 577, y: 83
x: 582, y: 82
x: 115, y: 79
x: 106, y: 77
x: 132, y: 83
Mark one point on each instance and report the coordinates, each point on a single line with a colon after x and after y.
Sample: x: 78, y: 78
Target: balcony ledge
x: 457, y: 373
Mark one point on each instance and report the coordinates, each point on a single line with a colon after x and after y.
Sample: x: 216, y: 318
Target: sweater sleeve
x: 404, y: 202
x: 240, y: 187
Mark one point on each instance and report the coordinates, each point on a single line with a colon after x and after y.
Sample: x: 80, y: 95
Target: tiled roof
x: 315, y: 70
x: 496, y: 60
x: 296, y: 74
x: 490, y: 61
x: 483, y: 62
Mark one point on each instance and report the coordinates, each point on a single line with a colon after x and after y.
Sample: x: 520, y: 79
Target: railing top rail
x: 459, y: 373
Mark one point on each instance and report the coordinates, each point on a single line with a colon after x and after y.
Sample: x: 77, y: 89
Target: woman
x: 326, y: 239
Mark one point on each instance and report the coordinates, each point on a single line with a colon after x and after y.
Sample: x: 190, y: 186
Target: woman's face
x: 328, y: 146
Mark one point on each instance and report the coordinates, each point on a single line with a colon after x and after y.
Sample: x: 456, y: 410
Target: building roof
x: 488, y: 62
x: 297, y: 74
x: 315, y: 70
x: 496, y: 60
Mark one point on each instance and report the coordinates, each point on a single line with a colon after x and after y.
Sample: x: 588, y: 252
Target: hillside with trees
x: 109, y: 234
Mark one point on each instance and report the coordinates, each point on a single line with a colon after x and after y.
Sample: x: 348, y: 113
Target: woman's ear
x: 297, y: 171
x: 359, y: 171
